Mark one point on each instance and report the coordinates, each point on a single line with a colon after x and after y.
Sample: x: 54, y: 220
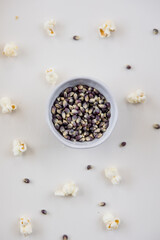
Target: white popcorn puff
x: 136, y: 97
x: 19, y: 147
x: 111, y: 222
x: 106, y: 29
x: 25, y: 226
x: 6, y: 105
x: 116, y: 179
x: 68, y: 189
x: 113, y: 175
x: 49, y: 27
x: 51, y: 76
x: 10, y: 50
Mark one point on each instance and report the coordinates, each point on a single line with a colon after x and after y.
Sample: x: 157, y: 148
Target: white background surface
x: 47, y: 162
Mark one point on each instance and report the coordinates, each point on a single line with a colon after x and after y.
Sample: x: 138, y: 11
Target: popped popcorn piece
x: 25, y: 226
x: 51, y: 76
x: 68, y: 189
x: 113, y: 175
x: 6, y: 105
x: 106, y: 29
x: 10, y: 50
x: 49, y: 27
x: 116, y: 179
x: 136, y: 97
x: 19, y: 147
x: 111, y: 222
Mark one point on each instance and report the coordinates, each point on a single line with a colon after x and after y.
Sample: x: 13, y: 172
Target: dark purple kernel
x: 43, y: 211
x: 78, y: 101
x: 155, y: 31
x: 75, y: 89
x: 67, y: 137
x: 76, y: 37
x: 156, y: 126
x: 57, y: 126
x: 71, y: 132
x: 74, y: 124
x: 65, y: 123
x: 65, y: 237
x: 91, y: 95
x: 71, y: 101
x: 59, y: 117
x: 78, y: 137
x: 108, y: 105
x: 102, y: 204
x: 26, y: 180
x: 123, y: 144
x: 108, y: 114
x: 106, y: 124
x: 62, y: 129
x: 98, y: 118
x: 68, y: 90
x: 96, y: 111
x: 74, y: 117
x: 53, y: 110
x: 69, y: 119
x: 75, y: 133
x: 128, y: 67
x: 96, y: 91
x: 89, y: 167
x: 66, y: 110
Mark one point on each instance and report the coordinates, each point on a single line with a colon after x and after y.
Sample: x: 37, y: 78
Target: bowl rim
x: 86, y: 145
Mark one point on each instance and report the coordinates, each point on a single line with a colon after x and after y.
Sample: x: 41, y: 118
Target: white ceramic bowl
x: 102, y: 89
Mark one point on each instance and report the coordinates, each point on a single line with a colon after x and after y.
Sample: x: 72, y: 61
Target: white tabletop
x: 48, y: 163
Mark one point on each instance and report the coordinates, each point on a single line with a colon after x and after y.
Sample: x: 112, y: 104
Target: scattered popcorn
x: 136, y: 97
x: 49, y: 27
x: 6, y: 105
x: 106, y: 29
x: 25, y: 226
x: 68, y: 189
x: 111, y: 222
x: 112, y: 175
x: 19, y: 147
x: 51, y: 76
x: 10, y: 50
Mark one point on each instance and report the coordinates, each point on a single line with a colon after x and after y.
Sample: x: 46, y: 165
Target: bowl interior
x: 102, y: 89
